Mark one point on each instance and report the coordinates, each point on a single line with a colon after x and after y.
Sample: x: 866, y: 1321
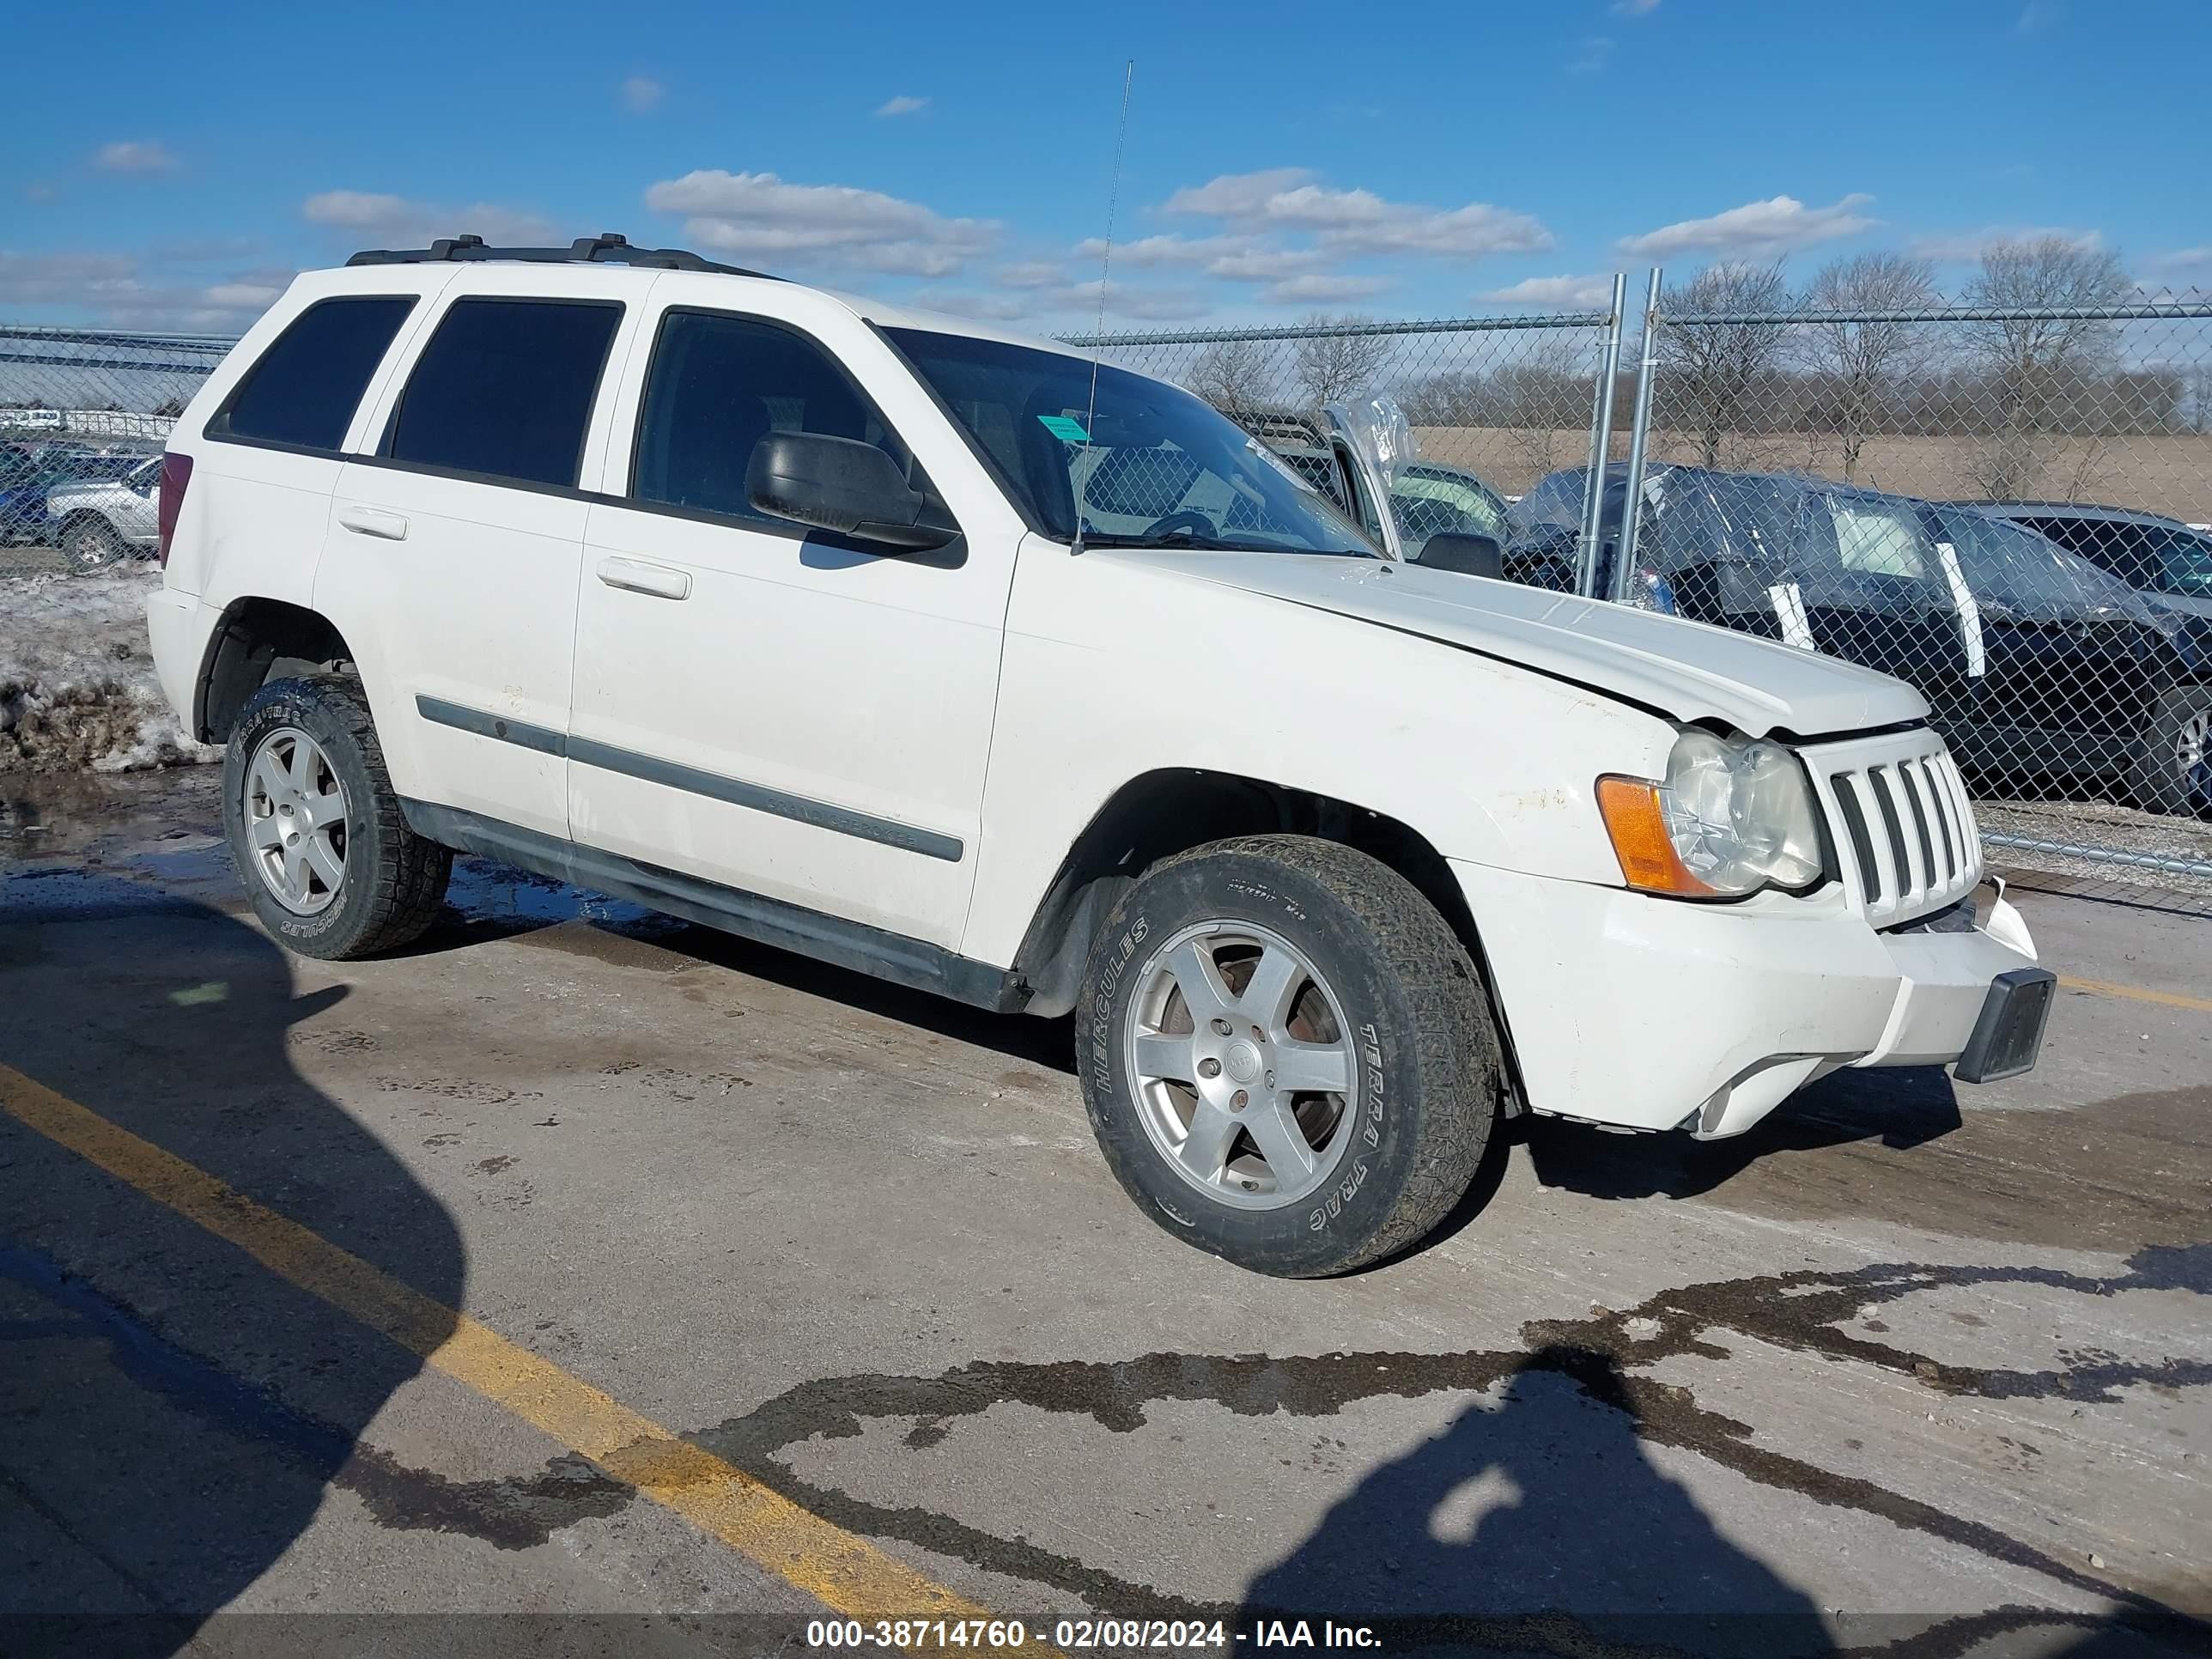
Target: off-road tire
x: 2159, y: 784
x: 1430, y: 1064
x: 395, y: 880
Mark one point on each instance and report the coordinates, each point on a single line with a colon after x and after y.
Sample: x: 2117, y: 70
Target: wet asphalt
x: 1912, y: 1368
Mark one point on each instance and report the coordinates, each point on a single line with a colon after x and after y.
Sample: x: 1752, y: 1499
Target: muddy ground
x: 1913, y: 1368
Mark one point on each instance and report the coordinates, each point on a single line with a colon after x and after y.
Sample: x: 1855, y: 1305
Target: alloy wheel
x: 295, y: 821
x: 1246, y: 1076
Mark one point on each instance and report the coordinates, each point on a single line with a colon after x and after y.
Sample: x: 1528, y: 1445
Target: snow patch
x: 78, y: 688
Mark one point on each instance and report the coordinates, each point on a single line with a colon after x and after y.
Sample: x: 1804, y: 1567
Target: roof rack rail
x: 606, y: 248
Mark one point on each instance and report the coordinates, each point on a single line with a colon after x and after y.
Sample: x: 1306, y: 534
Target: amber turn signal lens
x: 1638, y: 825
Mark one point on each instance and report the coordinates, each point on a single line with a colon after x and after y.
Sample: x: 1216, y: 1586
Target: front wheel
x: 1287, y: 1055
x: 327, y: 858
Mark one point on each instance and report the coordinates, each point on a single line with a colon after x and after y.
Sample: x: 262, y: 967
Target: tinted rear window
x: 307, y: 386
x: 504, y: 389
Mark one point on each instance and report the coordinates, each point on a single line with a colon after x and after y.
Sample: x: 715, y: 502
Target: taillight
x: 176, y: 473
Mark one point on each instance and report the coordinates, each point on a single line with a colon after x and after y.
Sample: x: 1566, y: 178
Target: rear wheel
x: 2174, y: 771
x: 328, y: 861
x: 91, y: 543
x: 1287, y: 1056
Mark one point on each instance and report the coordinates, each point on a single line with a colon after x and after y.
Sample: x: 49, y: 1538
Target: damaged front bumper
x: 1638, y: 1012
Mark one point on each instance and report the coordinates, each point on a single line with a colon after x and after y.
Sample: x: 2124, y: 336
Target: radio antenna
x: 1105, y: 264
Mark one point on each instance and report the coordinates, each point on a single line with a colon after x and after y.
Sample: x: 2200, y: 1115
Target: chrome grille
x: 1902, y: 827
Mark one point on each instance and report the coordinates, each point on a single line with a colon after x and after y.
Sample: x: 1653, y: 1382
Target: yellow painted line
x: 845, y: 1572
x: 2137, y: 994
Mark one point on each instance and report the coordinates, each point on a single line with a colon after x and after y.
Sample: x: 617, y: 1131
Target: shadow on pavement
x: 1481, y: 1537
x: 1901, y: 1108
x: 172, y: 1413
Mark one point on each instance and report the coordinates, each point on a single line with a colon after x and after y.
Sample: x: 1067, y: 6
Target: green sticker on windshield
x: 1064, y: 427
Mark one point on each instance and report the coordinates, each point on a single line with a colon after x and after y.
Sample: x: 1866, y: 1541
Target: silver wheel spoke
x: 1281, y: 1142
x: 265, y: 833
x: 302, y: 769
x: 321, y: 810
x: 325, y: 862
x: 295, y: 871
x: 1312, y: 1068
x: 1160, y: 1055
x: 1206, y: 1148
x: 1266, y: 998
x: 1204, y: 992
x: 269, y: 779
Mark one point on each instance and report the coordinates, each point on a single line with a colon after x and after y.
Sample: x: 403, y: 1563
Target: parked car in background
x: 1426, y: 498
x: 2039, y: 665
x: 29, y: 472
x: 2163, y: 558
x: 98, y: 522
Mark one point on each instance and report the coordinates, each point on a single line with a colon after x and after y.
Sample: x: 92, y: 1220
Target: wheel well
x: 259, y: 641
x: 1163, y: 813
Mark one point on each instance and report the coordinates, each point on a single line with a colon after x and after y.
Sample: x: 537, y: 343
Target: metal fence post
x: 1600, y: 449
x: 1639, y: 434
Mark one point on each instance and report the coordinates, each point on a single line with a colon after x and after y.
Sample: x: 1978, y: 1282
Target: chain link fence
x: 1994, y: 502
x: 2001, y: 503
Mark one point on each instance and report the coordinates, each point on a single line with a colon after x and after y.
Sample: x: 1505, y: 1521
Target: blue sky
x: 178, y: 163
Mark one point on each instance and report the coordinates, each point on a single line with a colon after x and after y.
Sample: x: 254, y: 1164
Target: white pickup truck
x: 893, y: 638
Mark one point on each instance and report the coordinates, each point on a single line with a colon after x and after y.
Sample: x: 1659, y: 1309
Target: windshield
x: 1152, y: 467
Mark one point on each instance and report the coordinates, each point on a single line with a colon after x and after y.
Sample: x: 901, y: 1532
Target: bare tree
x: 1334, y: 365
x: 1542, y: 401
x: 1711, y: 365
x: 2049, y: 364
x: 1860, y: 357
x: 1238, y: 377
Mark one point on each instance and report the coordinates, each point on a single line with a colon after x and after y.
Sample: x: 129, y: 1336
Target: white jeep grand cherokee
x: 891, y: 639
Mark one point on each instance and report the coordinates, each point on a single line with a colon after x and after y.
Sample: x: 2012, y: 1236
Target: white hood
x: 1686, y: 669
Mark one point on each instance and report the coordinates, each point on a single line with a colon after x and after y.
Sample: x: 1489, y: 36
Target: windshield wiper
x: 1184, y: 539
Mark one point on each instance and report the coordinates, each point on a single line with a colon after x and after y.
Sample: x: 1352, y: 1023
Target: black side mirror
x: 1465, y: 551
x: 843, y: 485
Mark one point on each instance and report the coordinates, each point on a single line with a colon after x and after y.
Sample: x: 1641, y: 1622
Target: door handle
x: 373, y: 521
x: 636, y: 577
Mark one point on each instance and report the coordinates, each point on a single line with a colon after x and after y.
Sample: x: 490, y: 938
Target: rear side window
x: 718, y: 386
x: 307, y: 386
x: 504, y: 390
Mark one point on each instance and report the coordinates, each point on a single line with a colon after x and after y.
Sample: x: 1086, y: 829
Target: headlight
x: 1734, y: 815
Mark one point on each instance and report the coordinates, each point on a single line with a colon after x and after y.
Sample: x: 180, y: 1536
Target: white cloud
x: 1346, y: 223
x: 134, y: 157
x: 1323, y: 290
x: 640, y: 92
x: 402, y: 221
x: 901, y: 105
x: 1965, y: 247
x: 40, y: 191
x: 117, y: 288
x: 962, y: 303
x: 1032, y: 273
x: 1595, y: 53
x: 2036, y: 16
x: 1634, y: 7
x: 2182, y: 259
x: 1776, y: 226
x: 1578, y: 292
x: 759, y: 215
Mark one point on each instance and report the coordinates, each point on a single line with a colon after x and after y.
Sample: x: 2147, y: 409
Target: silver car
x: 101, y: 520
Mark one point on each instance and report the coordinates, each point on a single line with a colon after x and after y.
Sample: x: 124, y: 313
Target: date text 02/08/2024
x: 1001, y: 1635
